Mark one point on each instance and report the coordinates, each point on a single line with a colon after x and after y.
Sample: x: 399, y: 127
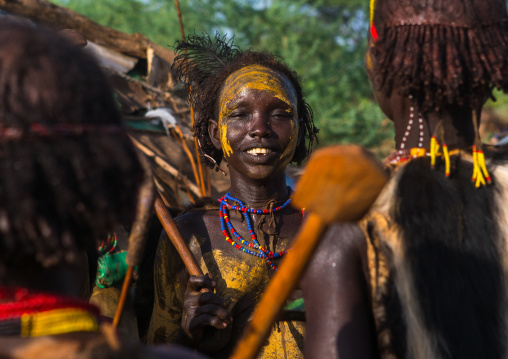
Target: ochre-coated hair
x: 59, y: 193
x: 441, y: 52
x: 205, y: 63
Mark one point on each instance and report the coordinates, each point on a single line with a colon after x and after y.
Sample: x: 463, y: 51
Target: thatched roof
x: 140, y: 74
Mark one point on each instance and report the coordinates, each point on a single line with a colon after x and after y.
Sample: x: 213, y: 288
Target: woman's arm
x: 339, y: 320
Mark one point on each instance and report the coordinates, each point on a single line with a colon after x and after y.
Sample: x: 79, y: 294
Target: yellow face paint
x: 226, y: 147
x: 254, y: 77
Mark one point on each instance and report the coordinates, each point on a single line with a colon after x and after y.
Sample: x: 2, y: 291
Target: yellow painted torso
x: 241, y: 280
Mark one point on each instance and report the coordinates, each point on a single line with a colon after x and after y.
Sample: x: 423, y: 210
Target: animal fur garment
x: 438, y: 261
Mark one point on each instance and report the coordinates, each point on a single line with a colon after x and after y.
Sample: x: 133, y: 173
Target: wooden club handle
x: 176, y: 238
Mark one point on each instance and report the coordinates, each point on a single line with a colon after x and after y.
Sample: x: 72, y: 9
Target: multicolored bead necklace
x: 262, y: 252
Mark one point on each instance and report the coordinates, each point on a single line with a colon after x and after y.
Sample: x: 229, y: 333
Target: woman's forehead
x: 260, y: 78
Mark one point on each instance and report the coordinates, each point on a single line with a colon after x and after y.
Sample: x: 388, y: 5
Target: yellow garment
x: 240, y: 282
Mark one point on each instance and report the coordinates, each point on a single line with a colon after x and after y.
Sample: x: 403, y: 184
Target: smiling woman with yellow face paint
x: 257, y: 125
x: 253, y: 115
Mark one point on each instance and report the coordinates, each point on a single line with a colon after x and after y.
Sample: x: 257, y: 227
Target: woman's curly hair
x: 62, y: 190
x: 204, y: 63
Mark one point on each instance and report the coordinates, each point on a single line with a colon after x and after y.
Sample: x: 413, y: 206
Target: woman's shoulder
x: 342, y: 250
x: 336, y: 295
x: 197, y: 218
x: 197, y: 222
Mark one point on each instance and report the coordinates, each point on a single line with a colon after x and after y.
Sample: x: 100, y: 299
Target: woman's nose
x: 260, y: 126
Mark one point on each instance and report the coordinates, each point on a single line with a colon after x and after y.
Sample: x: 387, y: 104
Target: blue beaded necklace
x: 261, y: 252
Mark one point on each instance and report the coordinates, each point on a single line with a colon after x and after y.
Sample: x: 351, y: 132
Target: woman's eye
x: 283, y: 115
x: 238, y: 115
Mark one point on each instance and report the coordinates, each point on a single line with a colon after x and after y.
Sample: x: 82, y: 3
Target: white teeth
x: 259, y: 151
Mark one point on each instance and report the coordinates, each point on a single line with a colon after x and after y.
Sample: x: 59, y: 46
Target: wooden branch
x: 167, y: 167
x: 49, y: 13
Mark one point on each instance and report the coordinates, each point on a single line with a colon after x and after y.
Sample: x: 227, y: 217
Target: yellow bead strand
x: 372, y: 10
x: 478, y: 177
x: 434, y: 148
x: 483, y: 166
x: 446, y: 156
x: 58, y: 321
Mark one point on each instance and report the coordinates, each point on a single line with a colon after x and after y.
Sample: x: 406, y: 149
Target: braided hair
x: 203, y: 64
x: 440, y: 52
x: 68, y: 171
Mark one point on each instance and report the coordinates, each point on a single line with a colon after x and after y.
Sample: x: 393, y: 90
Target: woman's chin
x: 266, y: 173
x: 262, y: 168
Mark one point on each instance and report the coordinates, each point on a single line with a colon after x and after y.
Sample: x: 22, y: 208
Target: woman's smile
x: 262, y: 155
x: 259, y: 151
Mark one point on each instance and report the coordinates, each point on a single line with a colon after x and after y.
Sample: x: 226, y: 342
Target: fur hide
x: 438, y: 262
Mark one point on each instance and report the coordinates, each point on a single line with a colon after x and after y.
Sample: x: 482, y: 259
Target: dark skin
x: 339, y: 322
x: 251, y: 119
x: 342, y: 291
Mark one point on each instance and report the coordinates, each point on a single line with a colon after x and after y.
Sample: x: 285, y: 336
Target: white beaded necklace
x: 409, y: 127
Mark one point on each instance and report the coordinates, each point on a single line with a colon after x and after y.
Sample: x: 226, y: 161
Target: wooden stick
x: 167, y: 167
x: 176, y: 238
x: 339, y: 184
x: 200, y: 182
x: 123, y: 296
x: 179, y: 133
x: 137, y: 236
x: 179, y: 14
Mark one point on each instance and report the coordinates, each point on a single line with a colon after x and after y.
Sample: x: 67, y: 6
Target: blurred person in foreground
x: 424, y: 275
x: 68, y: 173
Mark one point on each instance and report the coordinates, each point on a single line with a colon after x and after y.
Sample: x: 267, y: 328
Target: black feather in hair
x: 202, y: 57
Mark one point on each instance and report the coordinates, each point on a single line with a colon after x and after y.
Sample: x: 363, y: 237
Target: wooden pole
x: 137, y: 236
x: 201, y: 182
x: 123, y: 296
x: 191, y: 158
x: 180, y: 21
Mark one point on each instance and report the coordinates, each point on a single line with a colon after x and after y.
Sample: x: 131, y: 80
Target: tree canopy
x: 323, y: 40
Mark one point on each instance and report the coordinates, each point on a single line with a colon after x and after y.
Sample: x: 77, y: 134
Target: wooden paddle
x: 340, y: 184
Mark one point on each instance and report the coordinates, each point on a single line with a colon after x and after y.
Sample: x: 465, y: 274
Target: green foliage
x: 323, y: 40
x: 500, y: 105
x: 156, y: 19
